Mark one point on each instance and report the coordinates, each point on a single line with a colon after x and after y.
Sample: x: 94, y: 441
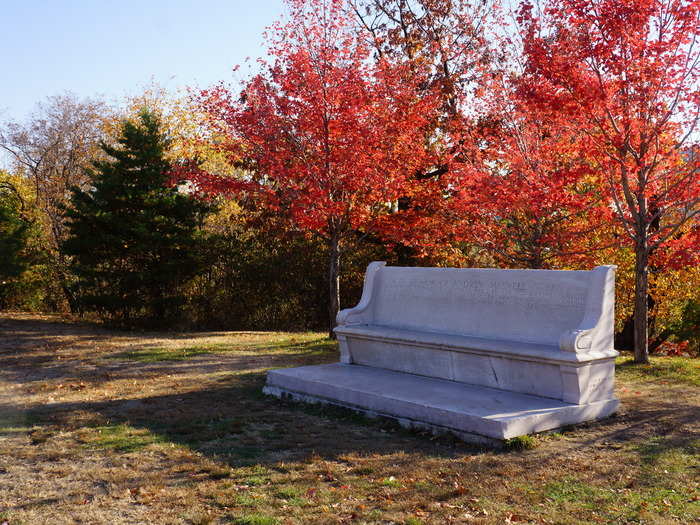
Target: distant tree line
x: 114, y: 239
x: 421, y: 133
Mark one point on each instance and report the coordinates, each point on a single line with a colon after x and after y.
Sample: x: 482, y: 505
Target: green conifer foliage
x: 14, y: 233
x: 134, y: 238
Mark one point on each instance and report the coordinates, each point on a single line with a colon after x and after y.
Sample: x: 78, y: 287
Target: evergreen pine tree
x: 134, y: 239
x: 14, y: 233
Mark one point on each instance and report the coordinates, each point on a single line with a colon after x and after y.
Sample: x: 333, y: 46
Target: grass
x: 154, y: 355
x: 10, y: 426
x: 391, y: 481
x: 192, y: 440
x: 522, y: 443
x: 620, y: 503
x: 255, y: 519
x: 121, y: 438
x: 665, y: 454
x: 308, y: 343
x: 662, y: 369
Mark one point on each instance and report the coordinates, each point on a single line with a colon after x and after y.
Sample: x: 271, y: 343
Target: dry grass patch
x: 106, y: 427
x: 662, y: 370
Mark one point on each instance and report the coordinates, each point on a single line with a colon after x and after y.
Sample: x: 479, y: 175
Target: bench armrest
x: 595, y: 333
x: 360, y: 313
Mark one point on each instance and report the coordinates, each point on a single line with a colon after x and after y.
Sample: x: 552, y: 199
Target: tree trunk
x: 73, y: 305
x: 624, y: 339
x: 63, y: 281
x: 333, y: 283
x: 641, y: 304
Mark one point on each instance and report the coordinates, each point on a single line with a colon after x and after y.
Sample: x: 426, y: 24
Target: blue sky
x: 97, y: 47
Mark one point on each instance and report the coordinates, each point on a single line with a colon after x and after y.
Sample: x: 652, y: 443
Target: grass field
x: 106, y: 427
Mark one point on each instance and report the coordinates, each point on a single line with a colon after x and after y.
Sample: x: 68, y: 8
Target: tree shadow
x: 233, y: 423
x: 19, y: 332
x: 237, y: 425
x: 30, y: 352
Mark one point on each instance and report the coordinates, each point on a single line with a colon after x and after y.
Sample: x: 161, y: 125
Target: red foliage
x: 330, y: 136
x: 674, y: 348
x: 534, y: 202
x: 626, y: 73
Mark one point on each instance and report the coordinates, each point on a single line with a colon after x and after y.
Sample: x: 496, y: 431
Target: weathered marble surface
x: 466, y: 410
x: 545, y: 335
x: 569, y: 309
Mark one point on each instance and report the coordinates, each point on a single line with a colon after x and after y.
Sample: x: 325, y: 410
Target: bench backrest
x: 535, y: 306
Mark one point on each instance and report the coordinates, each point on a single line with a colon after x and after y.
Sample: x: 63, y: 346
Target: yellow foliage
x: 623, y: 258
x: 25, y: 191
x: 184, y: 124
x: 672, y: 289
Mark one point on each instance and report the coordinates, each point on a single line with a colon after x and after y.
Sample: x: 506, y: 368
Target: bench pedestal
x: 474, y: 413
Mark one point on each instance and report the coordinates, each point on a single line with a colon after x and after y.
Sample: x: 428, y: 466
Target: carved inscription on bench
x: 481, y: 291
x: 517, y: 305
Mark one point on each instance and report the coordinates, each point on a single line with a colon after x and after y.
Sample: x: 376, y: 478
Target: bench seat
x: 469, y: 344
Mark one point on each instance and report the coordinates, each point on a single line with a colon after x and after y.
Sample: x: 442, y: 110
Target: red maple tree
x: 533, y: 200
x: 518, y: 191
x: 329, y: 136
x: 625, y: 72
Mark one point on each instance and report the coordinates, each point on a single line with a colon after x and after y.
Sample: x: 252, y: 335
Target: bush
x: 261, y: 275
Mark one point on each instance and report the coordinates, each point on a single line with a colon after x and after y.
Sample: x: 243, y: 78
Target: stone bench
x: 487, y: 354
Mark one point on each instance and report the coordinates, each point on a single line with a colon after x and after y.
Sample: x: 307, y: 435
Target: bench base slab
x: 473, y: 413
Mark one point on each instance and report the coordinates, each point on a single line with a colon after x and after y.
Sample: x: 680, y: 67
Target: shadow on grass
x: 237, y: 425
x: 29, y: 352
x: 665, y: 450
x: 234, y: 423
x: 156, y: 354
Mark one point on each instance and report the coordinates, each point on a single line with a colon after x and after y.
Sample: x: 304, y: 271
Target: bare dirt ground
x: 99, y: 426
